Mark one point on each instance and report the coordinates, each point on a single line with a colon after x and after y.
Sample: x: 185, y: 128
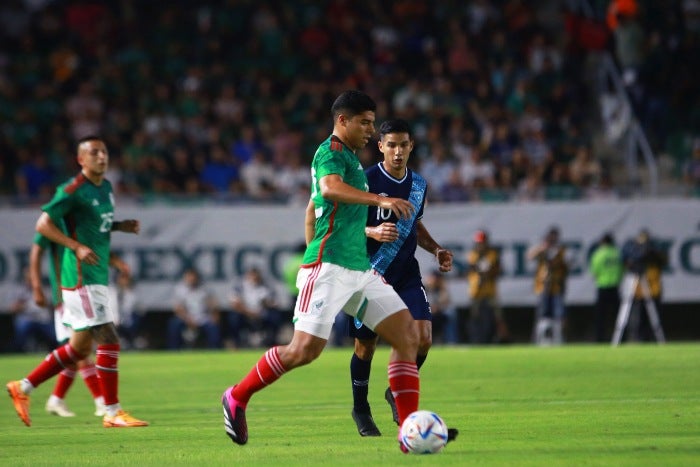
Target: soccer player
x: 336, y: 273
x: 85, y: 205
x: 391, y: 244
x: 56, y: 403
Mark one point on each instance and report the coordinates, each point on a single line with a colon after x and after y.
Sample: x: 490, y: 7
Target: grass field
x: 574, y: 405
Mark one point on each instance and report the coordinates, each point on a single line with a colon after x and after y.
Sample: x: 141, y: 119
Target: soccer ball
x: 424, y: 432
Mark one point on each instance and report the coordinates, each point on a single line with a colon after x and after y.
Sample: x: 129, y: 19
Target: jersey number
x: 107, y: 220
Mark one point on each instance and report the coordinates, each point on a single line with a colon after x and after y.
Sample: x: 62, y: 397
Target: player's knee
x: 364, y: 349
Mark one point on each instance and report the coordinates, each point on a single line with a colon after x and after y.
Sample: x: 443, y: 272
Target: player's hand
x: 385, y: 233
x: 129, y: 226
x: 86, y: 255
x: 444, y: 258
x: 39, y: 297
x: 399, y: 206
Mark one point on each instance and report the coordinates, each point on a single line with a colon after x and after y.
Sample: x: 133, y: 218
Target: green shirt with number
x: 339, y: 236
x: 87, y: 212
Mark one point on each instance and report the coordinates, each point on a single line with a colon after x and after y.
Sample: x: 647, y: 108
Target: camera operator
x: 644, y: 259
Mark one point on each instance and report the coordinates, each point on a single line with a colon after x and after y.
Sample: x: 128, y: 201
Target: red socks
x: 64, y: 382
x: 268, y: 370
x: 60, y: 358
x: 89, y: 374
x: 108, y: 374
x: 405, y: 386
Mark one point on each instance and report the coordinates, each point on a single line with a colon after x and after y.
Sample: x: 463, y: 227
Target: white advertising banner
x: 222, y: 242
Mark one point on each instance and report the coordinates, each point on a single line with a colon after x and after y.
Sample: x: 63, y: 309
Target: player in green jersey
x: 336, y: 274
x: 56, y: 403
x: 85, y: 206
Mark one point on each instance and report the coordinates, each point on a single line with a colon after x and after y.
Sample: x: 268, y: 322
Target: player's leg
x: 303, y: 349
x: 360, y: 367
x: 87, y: 308
x: 56, y: 403
x: 60, y: 358
x: 106, y: 364
x: 320, y: 298
x: 88, y: 372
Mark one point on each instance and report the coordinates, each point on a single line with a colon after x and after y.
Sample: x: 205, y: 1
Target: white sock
x: 112, y: 409
x: 99, y: 401
x: 26, y: 386
x: 54, y: 399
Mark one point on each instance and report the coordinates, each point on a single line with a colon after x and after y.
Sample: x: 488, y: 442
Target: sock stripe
x: 273, y: 359
x: 104, y: 368
x: 68, y: 373
x: 87, y: 372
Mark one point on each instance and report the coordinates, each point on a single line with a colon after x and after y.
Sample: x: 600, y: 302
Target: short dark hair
x: 395, y: 126
x: 352, y: 103
x: 87, y: 138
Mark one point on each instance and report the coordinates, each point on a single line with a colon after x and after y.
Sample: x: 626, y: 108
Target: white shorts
x: 86, y: 307
x: 63, y: 332
x: 326, y: 289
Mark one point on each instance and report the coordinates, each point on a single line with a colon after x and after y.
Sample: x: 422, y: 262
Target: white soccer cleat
x: 58, y: 407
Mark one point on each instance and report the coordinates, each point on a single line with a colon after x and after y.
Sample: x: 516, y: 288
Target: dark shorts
x: 416, y: 301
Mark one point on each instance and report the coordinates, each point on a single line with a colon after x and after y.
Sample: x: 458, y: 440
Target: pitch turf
x: 574, y: 405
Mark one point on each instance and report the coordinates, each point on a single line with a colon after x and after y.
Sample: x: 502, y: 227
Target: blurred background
x: 583, y: 114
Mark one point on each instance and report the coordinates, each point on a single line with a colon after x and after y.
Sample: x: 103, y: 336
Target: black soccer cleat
x: 365, y: 424
x: 390, y: 399
x: 452, y: 434
x: 234, y: 418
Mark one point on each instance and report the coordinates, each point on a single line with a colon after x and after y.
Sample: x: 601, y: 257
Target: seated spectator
x: 32, y: 323
x: 437, y: 170
x: 258, y: 177
x: 34, y: 178
x: 253, y: 311
x: 128, y: 316
x: 584, y: 166
x: 195, y: 312
x: 219, y: 174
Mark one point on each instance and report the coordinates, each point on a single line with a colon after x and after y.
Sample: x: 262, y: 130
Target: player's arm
x: 310, y: 222
x: 426, y: 241
x: 46, y: 227
x: 333, y: 188
x: 119, y: 264
x: 127, y: 225
x: 35, y: 255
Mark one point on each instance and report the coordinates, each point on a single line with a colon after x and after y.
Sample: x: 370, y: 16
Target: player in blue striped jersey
x: 392, y: 244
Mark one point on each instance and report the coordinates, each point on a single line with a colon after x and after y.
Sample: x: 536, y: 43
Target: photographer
x: 551, y: 275
x: 644, y: 259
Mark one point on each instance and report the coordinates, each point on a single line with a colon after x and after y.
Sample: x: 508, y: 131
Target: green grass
x: 573, y: 405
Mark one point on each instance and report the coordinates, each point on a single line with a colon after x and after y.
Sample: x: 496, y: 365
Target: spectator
x: 219, y: 174
x: 253, y: 312
x: 195, y: 311
x: 128, y: 315
x: 32, y: 323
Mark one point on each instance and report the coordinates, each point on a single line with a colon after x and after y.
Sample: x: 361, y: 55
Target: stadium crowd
x: 228, y: 98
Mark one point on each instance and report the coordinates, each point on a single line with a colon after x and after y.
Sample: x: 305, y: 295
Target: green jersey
x: 87, y: 212
x: 55, y: 257
x: 339, y: 236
